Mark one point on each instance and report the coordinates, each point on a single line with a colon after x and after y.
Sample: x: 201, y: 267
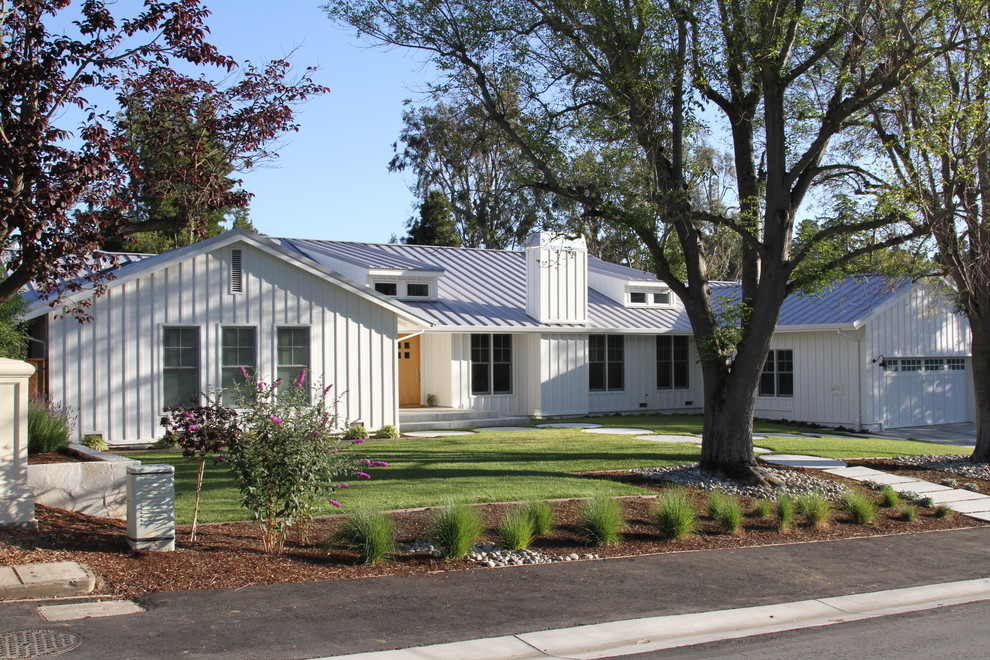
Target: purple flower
x: 343, y: 485
x: 378, y: 464
x: 363, y: 475
x: 278, y: 381
x: 193, y: 427
x: 357, y: 442
x: 335, y: 450
x: 277, y: 420
x: 187, y: 415
x: 327, y: 389
x: 244, y: 372
x: 335, y: 503
x: 301, y: 379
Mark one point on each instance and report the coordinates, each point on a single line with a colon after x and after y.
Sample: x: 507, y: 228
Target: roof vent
x: 236, y: 272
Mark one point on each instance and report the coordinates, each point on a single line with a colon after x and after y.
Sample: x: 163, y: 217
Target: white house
x: 547, y: 331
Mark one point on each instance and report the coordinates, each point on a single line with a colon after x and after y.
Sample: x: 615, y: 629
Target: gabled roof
x: 142, y: 265
x: 486, y: 289
x: 847, y: 302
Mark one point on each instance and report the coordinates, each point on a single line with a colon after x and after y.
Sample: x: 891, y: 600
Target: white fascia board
x: 167, y: 259
x: 549, y: 330
x: 820, y: 327
x: 880, y: 309
x: 403, y: 272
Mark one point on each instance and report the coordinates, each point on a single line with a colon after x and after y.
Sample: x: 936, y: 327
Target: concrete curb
x: 619, y: 638
x: 63, y: 578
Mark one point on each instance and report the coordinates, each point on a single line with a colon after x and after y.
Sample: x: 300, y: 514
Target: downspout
x: 859, y: 378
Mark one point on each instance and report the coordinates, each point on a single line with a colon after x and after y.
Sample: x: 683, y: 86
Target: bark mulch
x: 229, y: 555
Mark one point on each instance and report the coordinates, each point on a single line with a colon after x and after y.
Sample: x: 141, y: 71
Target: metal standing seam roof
x: 93, y: 265
x: 842, y: 303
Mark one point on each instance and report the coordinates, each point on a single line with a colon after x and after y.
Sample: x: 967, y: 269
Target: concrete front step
x: 462, y: 423
x: 63, y: 578
x: 440, y: 414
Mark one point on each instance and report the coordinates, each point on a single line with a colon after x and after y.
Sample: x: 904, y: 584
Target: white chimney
x: 556, y: 278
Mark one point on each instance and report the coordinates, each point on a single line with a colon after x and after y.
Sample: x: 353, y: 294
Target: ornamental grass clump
x: 909, y: 513
x: 815, y: 509
x: 942, y: 511
x: 786, y: 511
x: 49, y: 426
x: 725, y: 511
x: 862, y: 510
x: 763, y: 509
x: 455, y: 530
x: 369, y: 533
x: 889, y: 498
x: 516, y: 530
x: 674, y: 516
x: 541, y: 515
x: 600, y: 521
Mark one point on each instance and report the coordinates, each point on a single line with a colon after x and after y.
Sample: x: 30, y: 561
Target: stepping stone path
x: 797, y: 460
x: 962, y: 501
x: 612, y: 430
x: 762, y: 450
x: 505, y: 429
x: 435, y: 434
x: 568, y: 425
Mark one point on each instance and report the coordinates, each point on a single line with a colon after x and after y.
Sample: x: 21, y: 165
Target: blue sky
x: 331, y: 180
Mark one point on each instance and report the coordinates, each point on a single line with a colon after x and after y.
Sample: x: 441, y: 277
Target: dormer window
x: 387, y: 288
x: 418, y: 290
x: 648, y: 295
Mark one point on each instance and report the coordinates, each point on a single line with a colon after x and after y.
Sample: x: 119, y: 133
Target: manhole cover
x: 36, y: 643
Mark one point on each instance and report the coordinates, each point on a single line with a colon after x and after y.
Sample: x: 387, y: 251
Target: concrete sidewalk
x: 356, y: 616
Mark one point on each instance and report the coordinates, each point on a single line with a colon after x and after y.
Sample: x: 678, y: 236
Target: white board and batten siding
x: 556, y: 278
x: 826, y: 380
x: 639, y: 392
x: 115, y: 384
x: 917, y: 325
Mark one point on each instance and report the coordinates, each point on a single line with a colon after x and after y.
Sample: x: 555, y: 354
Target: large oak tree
x: 612, y: 92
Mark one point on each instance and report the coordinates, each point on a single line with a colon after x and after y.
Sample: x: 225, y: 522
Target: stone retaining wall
x: 97, y: 488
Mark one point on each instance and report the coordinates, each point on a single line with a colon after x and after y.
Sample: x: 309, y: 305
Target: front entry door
x: 409, y: 391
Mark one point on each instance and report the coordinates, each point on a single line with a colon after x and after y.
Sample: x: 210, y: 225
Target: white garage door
x: 919, y: 391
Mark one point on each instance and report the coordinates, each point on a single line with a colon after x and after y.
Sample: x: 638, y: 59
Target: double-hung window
x: 292, y: 354
x: 778, y: 374
x: 238, y: 350
x: 672, y: 362
x: 180, y: 366
x: 491, y: 364
x: 606, y: 363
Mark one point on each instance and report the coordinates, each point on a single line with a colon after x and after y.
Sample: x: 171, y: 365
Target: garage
x: 925, y: 390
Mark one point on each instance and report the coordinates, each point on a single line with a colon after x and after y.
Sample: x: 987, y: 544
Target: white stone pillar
x: 16, y: 500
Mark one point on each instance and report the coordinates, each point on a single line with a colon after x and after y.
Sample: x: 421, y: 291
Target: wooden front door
x: 409, y: 390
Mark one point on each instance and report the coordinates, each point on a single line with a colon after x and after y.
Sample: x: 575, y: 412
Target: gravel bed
x: 954, y: 463
x: 489, y: 554
x: 789, y: 482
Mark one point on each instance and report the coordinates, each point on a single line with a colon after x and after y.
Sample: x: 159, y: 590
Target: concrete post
x: 151, y: 507
x: 16, y: 500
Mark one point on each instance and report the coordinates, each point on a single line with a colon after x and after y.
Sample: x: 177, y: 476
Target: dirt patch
x: 230, y: 555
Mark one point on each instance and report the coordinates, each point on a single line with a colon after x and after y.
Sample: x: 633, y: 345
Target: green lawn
x: 498, y: 467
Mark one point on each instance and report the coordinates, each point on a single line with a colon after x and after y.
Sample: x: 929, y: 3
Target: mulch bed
x: 58, y: 457
x: 227, y: 555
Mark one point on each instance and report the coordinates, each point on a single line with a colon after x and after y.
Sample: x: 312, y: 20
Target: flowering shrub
x: 201, y: 431
x: 289, y: 457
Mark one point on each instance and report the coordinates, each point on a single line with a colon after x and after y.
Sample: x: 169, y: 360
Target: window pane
x: 637, y: 297
x: 479, y: 378
x: 180, y: 386
x: 911, y: 364
x: 661, y: 298
x: 785, y: 384
x: 387, y: 288
x: 616, y: 376
x: 596, y: 376
x: 890, y: 365
x: 665, y: 356
x: 956, y: 364
x: 501, y: 378
x: 934, y: 364
x: 785, y: 361
x: 767, y: 384
x: 418, y: 290
x: 596, y: 348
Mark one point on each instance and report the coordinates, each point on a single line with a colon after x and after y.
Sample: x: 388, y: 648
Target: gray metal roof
x: 99, y: 262
x: 843, y: 302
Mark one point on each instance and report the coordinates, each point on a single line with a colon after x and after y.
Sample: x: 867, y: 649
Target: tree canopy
x: 611, y: 97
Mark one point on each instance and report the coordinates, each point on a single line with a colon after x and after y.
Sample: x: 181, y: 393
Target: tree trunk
x: 980, y: 329
x: 199, y: 488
